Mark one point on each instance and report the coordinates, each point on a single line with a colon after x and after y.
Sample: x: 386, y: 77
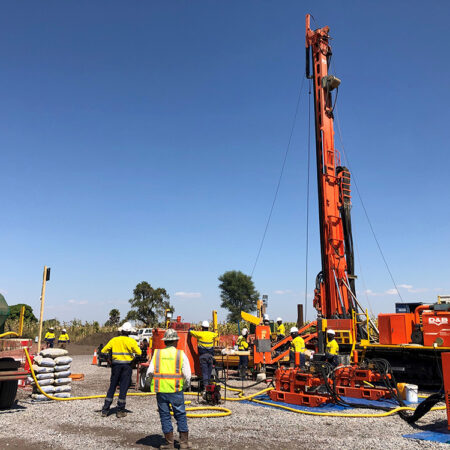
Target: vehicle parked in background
x: 145, y: 333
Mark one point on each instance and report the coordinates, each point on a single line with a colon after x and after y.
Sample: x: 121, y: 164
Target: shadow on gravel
x: 14, y: 409
x: 153, y: 440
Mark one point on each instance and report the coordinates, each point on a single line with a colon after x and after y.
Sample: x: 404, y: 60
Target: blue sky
x: 143, y: 141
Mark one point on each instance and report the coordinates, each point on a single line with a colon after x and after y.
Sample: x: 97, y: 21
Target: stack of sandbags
x: 52, y: 369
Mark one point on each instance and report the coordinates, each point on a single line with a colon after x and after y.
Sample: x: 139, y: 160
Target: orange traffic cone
x: 94, y: 359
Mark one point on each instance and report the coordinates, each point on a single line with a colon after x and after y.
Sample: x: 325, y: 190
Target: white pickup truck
x: 141, y: 334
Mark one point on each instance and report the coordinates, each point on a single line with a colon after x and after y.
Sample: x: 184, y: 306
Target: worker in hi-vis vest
x: 242, y: 345
x: 123, y: 348
x: 205, y: 344
x: 63, y: 338
x: 170, y: 373
x: 297, y: 350
x: 49, y: 337
x: 332, y: 349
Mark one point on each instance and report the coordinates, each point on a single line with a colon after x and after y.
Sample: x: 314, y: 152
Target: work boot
x: 121, y: 414
x: 184, y: 436
x: 105, y: 413
x: 169, y: 442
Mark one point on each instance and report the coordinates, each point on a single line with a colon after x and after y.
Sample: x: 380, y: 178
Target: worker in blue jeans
x: 170, y: 373
x: 123, y: 350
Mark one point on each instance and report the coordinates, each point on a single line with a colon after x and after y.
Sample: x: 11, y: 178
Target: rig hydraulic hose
x: 9, y: 333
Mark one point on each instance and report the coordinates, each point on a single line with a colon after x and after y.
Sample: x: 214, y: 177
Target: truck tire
x: 8, y: 391
x: 144, y: 385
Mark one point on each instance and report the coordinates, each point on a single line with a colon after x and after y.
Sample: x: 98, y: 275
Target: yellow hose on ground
x: 9, y: 333
x: 225, y: 411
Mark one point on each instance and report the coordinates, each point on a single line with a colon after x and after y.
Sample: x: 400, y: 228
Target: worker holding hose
x: 123, y: 349
x: 170, y: 372
x: 297, y: 352
x: 205, y: 344
x: 243, y: 346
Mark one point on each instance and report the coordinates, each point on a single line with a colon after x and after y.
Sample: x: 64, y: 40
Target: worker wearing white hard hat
x: 281, y: 329
x: 63, y: 338
x: 123, y: 349
x: 297, y: 350
x: 205, y: 345
x: 49, y: 337
x: 332, y: 348
x: 242, y: 343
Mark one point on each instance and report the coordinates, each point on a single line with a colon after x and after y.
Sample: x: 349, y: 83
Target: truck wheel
x: 144, y: 385
x: 8, y: 391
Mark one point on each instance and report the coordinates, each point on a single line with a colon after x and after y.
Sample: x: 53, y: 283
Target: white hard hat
x: 126, y: 327
x: 244, y: 331
x: 294, y: 330
x: 330, y: 331
x: 205, y: 324
x: 171, y: 335
x: 279, y: 319
x: 64, y: 330
x: 266, y: 317
x: 51, y: 328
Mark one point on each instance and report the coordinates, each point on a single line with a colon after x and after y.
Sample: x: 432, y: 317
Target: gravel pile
x: 75, y: 424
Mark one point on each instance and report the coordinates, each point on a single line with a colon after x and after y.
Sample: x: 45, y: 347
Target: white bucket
x: 412, y: 394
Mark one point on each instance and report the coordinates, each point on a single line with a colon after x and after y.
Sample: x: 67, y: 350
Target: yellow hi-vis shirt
x: 63, y: 337
x: 205, y: 339
x: 168, y: 376
x: 298, y: 345
x: 122, y: 348
x: 281, y: 329
x: 49, y: 335
x: 242, y: 343
x: 333, y: 347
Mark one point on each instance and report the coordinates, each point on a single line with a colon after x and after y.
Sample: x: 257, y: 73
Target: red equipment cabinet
x: 436, y: 324
x: 395, y: 328
x: 446, y: 373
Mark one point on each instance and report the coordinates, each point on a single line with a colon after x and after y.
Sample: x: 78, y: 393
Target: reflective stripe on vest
x: 168, y: 376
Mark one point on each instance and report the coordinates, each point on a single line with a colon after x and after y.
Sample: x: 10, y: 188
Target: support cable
x: 279, y: 178
x: 364, y: 208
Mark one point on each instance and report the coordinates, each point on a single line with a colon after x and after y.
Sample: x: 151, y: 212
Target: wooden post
x: 22, y: 316
x: 44, y: 281
x: 299, y: 316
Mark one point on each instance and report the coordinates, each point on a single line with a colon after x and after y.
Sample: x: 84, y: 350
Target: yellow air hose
x: 9, y: 333
x: 225, y: 411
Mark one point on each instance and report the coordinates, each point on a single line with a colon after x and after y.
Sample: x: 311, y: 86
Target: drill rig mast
x: 335, y: 285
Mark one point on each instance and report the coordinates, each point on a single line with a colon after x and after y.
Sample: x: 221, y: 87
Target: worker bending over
x: 205, y: 344
x: 242, y: 344
x: 63, y: 338
x: 123, y: 348
x: 332, y: 350
x: 297, y: 352
x: 49, y: 337
x: 281, y: 329
x: 170, y: 374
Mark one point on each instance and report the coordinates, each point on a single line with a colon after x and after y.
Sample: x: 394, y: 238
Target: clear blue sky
x: 144, y: 140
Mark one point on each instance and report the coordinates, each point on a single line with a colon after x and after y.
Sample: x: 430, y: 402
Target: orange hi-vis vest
x: 167, y: 377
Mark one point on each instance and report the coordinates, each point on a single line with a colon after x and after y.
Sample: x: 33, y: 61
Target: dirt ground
x: 78, y: 424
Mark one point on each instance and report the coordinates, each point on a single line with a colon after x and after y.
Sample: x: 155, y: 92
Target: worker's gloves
x: 186, y: 386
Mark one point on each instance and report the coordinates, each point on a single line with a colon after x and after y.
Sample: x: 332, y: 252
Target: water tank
x: 4, y: 312
x: 185, y: 343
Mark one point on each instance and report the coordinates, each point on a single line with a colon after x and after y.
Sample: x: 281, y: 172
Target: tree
x: 148, y: 304
x: 14, y: 313
x: 114, y: 318
x: 238, y: 294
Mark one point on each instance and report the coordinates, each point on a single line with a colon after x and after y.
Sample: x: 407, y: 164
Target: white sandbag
x: 53, y: 352
x: 44, y: 362
x: 45, y: 376
x: 62, y: 395
x: 59, y: 381
x: 62, y: 368
x: 64, y: 374
x: 65, y: 388
x: 39, y: 397
x: 63, y: 360
x: 46, y: 389
x: 45, y: 382
x: 39, y: 369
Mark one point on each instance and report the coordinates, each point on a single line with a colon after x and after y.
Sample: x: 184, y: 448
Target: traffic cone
x: 94, y: 359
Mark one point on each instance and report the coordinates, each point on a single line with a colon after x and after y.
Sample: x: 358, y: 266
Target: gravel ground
x: 75, y: 424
